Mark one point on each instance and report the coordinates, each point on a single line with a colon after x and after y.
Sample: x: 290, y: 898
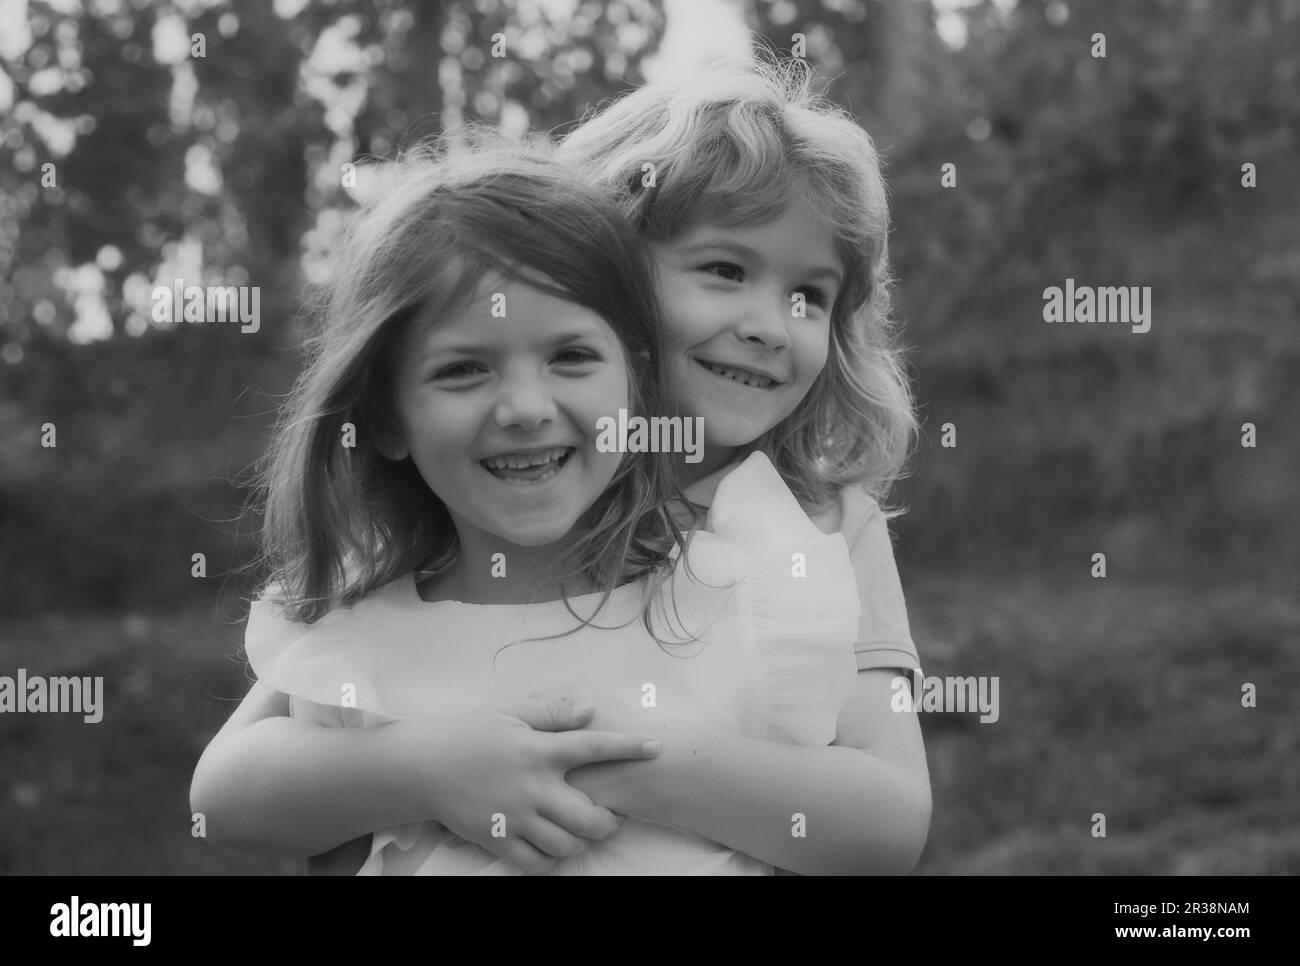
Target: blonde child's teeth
x: 522, y: 461
x: 735, y: 375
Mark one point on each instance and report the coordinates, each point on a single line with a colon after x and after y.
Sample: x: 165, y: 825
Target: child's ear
x: 392, y: 445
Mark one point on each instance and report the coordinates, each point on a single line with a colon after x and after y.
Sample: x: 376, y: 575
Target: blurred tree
x: 90, y: 100
x: 884, y: 57
x: 153, y: 143
x: 1185, y: 92
x: 205, y: 142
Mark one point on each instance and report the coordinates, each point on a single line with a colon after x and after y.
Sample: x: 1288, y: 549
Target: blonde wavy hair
x: 735, y: 145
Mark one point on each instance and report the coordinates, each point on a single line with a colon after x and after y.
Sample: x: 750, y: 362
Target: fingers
x: 553, y: 841
x: 523, y: 856
x: 576, y: 813
x: 573, y: 749
x: 548, y: 711
x: 537, y: 849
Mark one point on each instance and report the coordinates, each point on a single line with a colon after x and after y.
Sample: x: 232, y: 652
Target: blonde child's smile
x: 747, y: 314
x: 749, y: 378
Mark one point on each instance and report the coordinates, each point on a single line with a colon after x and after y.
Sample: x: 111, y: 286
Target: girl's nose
x: 524, y: 403
x: 766, y: 322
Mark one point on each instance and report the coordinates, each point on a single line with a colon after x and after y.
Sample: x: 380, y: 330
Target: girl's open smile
x: 528, y: 467
x: 499, y: 409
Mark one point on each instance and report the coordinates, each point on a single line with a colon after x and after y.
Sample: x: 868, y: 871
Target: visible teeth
x: 521, y: 461
x: 737, y: 375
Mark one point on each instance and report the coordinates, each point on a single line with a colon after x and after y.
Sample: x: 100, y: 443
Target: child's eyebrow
x: 753, y: 255
x: 834, y: 274
x: 455, y: 348
x: 720, y: 244
x: 585, y: 333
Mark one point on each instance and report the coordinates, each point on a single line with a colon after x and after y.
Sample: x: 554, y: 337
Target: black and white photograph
x: 651, y: 438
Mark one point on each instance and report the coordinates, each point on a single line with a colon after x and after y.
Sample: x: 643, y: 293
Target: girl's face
x: 499, y: 414
x: 736, y: 352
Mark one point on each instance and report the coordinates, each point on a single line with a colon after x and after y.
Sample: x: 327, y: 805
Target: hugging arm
x: 273, y: 784
x: 859, y: 806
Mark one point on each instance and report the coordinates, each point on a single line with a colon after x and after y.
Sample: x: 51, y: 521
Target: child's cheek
x: 818, y: 354
x: 602, y: 396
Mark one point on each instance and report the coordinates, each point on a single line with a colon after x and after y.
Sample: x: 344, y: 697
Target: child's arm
x: 865, y: 800
x: 269, y: 783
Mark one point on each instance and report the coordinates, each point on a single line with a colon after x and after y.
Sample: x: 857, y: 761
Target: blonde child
x: 767, y: 216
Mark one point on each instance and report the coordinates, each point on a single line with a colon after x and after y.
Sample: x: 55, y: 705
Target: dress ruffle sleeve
x: 326, y: 663
x: 803, y: 597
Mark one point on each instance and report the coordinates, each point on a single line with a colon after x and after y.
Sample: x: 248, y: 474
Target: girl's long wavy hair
x: 341, y: 521
x: 735, y: 145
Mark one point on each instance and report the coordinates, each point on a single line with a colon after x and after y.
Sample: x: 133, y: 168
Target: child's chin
x: 729, y: 433
x: 541, y: 535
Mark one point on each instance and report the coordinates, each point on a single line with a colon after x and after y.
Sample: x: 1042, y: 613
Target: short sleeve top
x: 884, y: 638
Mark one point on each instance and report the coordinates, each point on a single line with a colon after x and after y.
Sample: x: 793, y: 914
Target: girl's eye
x: 576, y: 356
x: 728, y: 270
x: 458, y: 370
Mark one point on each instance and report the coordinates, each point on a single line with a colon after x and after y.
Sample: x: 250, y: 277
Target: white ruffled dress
x: 770, y: 599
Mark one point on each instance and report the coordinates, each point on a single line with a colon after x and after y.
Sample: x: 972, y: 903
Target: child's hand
x: 498, y: 777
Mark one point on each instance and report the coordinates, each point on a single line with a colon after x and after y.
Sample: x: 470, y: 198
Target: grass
x: 113, y: 797
x: 1117, y: 696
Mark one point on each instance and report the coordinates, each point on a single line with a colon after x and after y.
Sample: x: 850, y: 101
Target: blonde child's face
x: 741, y: 349
x: 499, y: 414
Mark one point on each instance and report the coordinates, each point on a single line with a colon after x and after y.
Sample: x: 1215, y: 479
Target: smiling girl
x: 768, y: 224
x: 478, y: 546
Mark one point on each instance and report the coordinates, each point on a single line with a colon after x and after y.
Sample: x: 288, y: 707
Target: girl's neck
x: 494, y: 571
x: 713, y: 458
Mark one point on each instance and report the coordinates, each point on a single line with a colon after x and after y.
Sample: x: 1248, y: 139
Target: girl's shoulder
x: 755, y: 493
x: 849, y: 513
x: 754, y: 485
x: 331, y: 658
x: 370, y: 654
x: 801, y: 595
x: 269, y: 625
x: 755, y: 513
x: 752, y: 500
